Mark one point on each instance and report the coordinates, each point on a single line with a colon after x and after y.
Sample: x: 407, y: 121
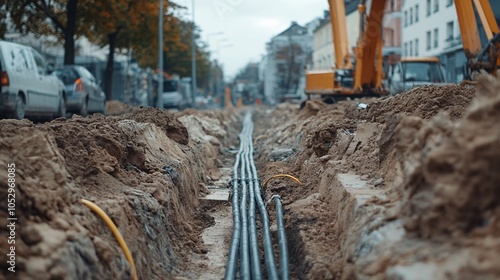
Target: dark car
x: 84, y: 95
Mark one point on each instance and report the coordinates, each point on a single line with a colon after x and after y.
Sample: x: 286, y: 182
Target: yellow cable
x: 115, y: 231
x: 280, y: 175
x: 259, y: 137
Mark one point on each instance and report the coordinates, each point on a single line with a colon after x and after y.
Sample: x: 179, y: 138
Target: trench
x: 241, y: 244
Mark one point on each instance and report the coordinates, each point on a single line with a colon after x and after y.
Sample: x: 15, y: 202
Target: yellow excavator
x: 359, y: 77
x: 363, y: 76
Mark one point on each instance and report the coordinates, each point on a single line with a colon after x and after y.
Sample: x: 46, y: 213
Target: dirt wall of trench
x: 408, y: 184
x: 144, y: 169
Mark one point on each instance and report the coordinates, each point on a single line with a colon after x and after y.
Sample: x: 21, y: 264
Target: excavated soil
x: 141, y: 168
x: 406, y: 188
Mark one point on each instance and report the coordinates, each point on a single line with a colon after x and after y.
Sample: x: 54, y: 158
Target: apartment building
x: 430, y: 28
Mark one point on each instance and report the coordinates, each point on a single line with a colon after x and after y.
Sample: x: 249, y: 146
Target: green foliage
x: 133, y: 24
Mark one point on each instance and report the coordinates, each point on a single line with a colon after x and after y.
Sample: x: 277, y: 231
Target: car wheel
x: 19, y: 110
x: 61, y: 112
x: 84, y: 109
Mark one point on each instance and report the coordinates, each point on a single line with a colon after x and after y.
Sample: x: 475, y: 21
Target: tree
x: 131, y: 24
x: 49, y: 17
x: 177, y: 58
x: 289, y: 66
x: 3, y: 23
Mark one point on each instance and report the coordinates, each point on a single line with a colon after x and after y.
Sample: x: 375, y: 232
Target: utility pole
x: 160, y: 57
x: 193, y: 59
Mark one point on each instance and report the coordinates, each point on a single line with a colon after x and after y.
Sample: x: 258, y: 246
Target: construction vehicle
x: 479, y: 58
x: 363, y: 76
x: 410, y: 72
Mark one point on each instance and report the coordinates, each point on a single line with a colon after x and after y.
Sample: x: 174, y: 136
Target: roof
x: 350, y: 7
x: 294, y: 29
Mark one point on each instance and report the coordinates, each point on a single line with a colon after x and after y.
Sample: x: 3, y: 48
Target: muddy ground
x: 407, y: 188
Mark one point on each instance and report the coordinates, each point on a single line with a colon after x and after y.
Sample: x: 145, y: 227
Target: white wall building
x: 430, y: 28
x: 323, y: 53
x: 323, y: 48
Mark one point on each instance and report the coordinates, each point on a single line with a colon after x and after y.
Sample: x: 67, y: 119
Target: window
x: 449, y: 31
x: 428, y: 40
x: 416, y: 13
x: 406, y: 18
x: 405, y: 51
x: 411, y: 16
x: 423, y: 72
x: 436, y: 38
x: 392, y: 5
x: 411, y: 48
x: 436, y: 6
x: 416, y: 47
x: 428, y: 7
x: 40, y: 63
x: 449, y: 3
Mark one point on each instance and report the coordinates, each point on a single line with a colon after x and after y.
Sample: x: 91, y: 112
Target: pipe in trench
x: 245, y: 232
x: 283, y: 246
x: 244, y: 246
x: 232, y: 261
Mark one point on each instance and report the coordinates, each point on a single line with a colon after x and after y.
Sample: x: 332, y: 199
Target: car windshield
x: 67, y: 75
x: 423, y: 72
x: 169, y: 85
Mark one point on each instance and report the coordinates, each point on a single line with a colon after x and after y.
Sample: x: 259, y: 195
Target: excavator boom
x: 479, y: 57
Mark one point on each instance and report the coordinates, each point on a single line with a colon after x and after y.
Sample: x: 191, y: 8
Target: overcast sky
x: 247, y: 25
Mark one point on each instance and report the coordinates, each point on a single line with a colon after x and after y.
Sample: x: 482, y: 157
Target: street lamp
x: 160, y: 57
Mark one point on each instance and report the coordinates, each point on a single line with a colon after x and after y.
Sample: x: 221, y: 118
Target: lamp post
x: 193, y: 59
x: 160, y: 57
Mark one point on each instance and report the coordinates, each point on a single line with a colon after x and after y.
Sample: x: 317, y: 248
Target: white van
x: 26, y: 88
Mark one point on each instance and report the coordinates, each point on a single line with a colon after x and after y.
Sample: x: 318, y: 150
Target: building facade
x: 430, y: 28
x: 323, y: 51
x: 283, y: 70
x: 392, y: 27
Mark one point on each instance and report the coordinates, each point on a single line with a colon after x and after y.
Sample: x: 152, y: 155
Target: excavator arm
x: 368, y: 73
x: 479, y: 57
x: 339, y: 34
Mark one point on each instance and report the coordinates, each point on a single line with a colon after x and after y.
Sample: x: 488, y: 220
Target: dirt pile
x: 172, y: 127
x: 452, y: 168
x: 115, y: 108
x: 382, y: 185
x: 137, y: 172
x: 424, y: 102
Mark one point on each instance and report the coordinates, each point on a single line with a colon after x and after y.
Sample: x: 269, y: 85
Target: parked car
x: 172, y: 96
x: 84, y: 95
x: 27, y: 88
x: 176, y: 93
